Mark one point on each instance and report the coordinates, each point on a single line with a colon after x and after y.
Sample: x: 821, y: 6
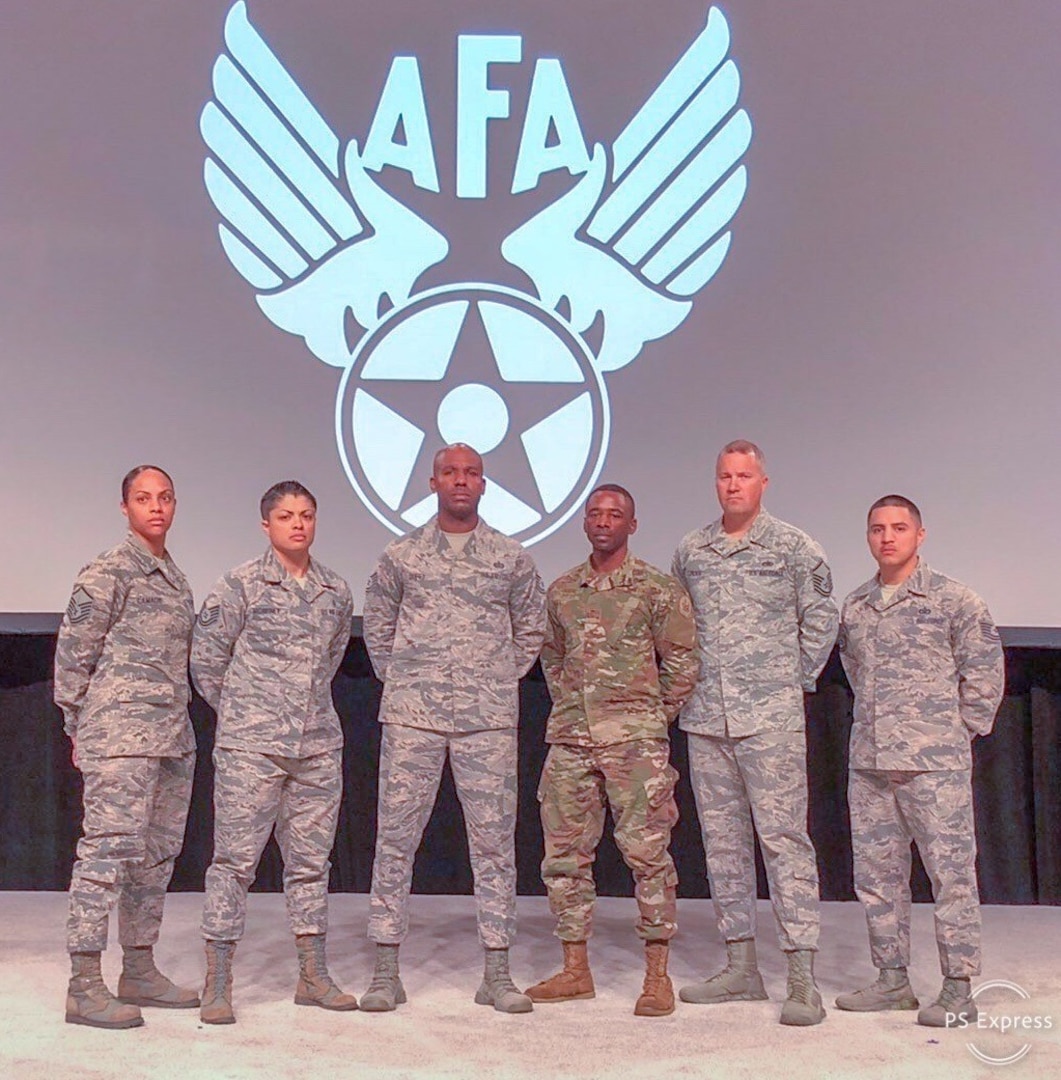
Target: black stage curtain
x: 1017, y: 777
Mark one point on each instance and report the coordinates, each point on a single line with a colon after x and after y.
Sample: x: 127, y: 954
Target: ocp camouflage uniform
x: 450, y: 634
x: 927, y: 671
x: 612, y: 703
x: 766, y: 624
x: 121, y: 680
x: 265, y: 650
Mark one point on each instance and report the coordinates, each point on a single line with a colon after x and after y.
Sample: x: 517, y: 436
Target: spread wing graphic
x: 313, y: 239
x: 636, y: 245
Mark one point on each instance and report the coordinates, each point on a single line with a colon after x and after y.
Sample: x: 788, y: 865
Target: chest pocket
x: 928, y: 625
x: 766, y: 583
x: 482, y: 583
x: 624, y: 618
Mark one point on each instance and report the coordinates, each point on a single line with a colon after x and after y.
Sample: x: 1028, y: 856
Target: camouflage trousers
x: 484, y: 767
x: 253, y: 793
x: 637, y: 781
x: 761, y: 778
x: 133, y: 829
x: 935, y: 810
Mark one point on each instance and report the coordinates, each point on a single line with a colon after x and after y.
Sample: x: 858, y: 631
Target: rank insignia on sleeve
x: 209, y: 615
x: 823, y: 579
x: 80, y: 606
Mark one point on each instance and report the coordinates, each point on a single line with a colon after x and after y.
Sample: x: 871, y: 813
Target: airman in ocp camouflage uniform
x: 924, y: 660
x: 620, y: 658
x: 268, y: 642
x: 121, y: 680
x: 454, y: 616
x: 761, y: 590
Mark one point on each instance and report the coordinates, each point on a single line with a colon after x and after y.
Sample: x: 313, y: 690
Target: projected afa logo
x: 336, y: 260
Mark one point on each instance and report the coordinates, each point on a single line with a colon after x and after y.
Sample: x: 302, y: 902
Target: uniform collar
x: 915, y: 585
x: 716, y: 537
x: 275, y: 573
x: 623, y: 576
x: 434, y: 535
x: 149, y: 563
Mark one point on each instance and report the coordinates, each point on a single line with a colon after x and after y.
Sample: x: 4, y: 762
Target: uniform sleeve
x: 816, y: 612
x: 216, y: 632
x: 383, y: 601
x: 847, y: 655
x: 341, y: 639
x: 674, y: 635
x: 526, y: 605
x: 554, y: 647
x: 677, y: 568
x: 980, y: 665
x: 94, y: 605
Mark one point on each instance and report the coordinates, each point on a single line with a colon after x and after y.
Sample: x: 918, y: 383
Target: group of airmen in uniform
x: 455, y: 614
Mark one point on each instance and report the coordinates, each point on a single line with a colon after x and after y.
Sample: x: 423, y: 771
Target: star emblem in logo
x: 485, y: 366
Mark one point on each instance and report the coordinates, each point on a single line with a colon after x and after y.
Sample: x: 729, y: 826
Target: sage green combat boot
x: 803, y: 1005
x: 739, y: 980
x: 141, y: 983
x: 385, y: 992
x: 892, y: 990
x: 88, y: 1001
x: 954, y: 1006
x: 497, y: 987
x: 216, y: 1007
x: 315, y: 985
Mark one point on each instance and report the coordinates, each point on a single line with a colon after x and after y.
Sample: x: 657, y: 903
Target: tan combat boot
x: 141, y: 983
x: 892, y: 990
x: 739, y: 980
x: 315, y: 985
x: 497, y: 987
x: 803, y: 1005
x: 385, y: 992
x: 657, y: 994
x: 954, y: 1007
x: 574, y: 983
x: 217, y: 993
x: 88, y: 1001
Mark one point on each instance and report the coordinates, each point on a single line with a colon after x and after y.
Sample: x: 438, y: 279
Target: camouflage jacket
x: 451, y: 633
x: 927, y: 671
x: 604, y: 635
x: 121, y: 662
x: 766, y: 624
x: 264, y: 653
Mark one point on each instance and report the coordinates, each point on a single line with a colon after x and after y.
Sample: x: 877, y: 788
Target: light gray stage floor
x: 440, y: 1033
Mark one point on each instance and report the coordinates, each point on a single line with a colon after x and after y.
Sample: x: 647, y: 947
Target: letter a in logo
x: 336, y: 260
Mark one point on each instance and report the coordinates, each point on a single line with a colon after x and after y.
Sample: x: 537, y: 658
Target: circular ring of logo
x: 429, y: 374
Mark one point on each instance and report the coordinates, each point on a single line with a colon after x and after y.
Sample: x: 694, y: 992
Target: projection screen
x: 594, y: 238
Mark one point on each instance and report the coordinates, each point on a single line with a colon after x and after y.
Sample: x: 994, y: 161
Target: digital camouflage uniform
x: 766, y: 624
x: 265, y: 650
x: 927, y: 671
x: 450, y: 634
x: 121, y: 680
x: 612, y: 704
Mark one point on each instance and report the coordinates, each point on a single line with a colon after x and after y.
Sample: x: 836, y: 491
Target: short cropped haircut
x: 452, y: 446
x: 132, y: 474
x: 615, y: 489
x: 286, y: 487
x: 896, y: 500
x: 743, y: 446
